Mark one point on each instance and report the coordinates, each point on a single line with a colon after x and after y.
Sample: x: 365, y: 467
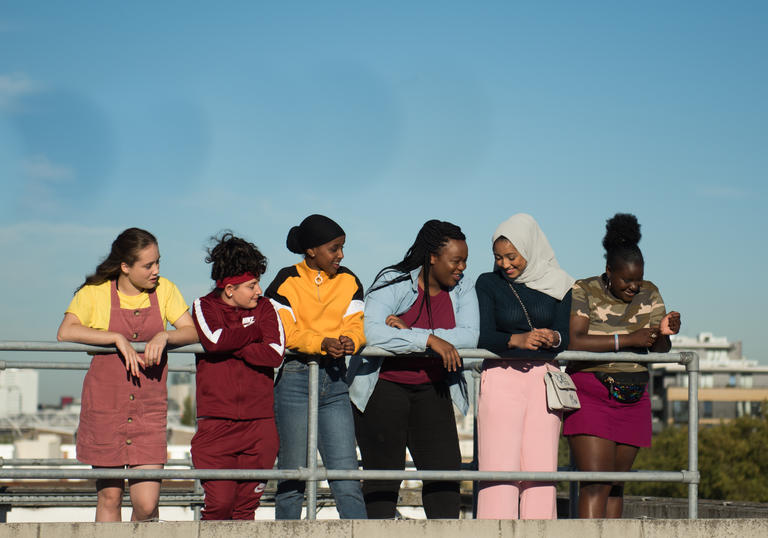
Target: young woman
x: 615, y: 311
x: 124, y: 401
x: 524, y: 307
x: 320, y: 304
x: 244, y: 343
x: 424, y: 301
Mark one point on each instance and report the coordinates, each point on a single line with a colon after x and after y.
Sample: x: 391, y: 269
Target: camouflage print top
x: 609, y: 315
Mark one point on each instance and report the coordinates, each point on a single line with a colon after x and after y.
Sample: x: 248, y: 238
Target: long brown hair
x: 125, y: 249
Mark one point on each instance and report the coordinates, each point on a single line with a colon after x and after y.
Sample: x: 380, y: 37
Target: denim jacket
x: 395, y: 299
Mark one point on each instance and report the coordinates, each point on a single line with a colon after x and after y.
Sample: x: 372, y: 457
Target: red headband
x: 234, y: 280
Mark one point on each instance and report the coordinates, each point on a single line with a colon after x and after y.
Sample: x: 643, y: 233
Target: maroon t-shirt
x: 428, y: 369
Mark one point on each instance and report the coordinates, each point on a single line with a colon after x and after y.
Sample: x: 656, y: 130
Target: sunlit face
x: 145, y: 271
x: 625, y: 281
x: 508, y: 259
x: 327, y: 257
x: 449, y: 263
x: 246, y: 294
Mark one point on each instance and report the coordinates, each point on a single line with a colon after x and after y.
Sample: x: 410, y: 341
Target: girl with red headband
x: 243, y: 341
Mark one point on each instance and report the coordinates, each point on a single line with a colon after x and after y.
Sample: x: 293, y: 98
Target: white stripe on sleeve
x: 280, y: 306
x: 354, y: 307
x: 213, y: 336
x: 279, y: 348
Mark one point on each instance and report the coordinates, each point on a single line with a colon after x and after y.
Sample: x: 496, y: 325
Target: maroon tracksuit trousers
x: 233, y: 444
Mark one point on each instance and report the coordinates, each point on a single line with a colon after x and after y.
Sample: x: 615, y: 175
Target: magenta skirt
x: 602, y: 416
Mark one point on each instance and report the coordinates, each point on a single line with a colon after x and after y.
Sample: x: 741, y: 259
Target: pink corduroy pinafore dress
x: 123, y: 418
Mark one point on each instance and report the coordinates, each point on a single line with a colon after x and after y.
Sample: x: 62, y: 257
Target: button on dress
x: 123, y: 418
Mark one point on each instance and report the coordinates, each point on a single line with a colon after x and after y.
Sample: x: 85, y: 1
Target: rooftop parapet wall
x: 626, y: 528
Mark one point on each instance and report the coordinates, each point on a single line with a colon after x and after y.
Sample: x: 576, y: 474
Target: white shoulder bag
x: 561, y: 392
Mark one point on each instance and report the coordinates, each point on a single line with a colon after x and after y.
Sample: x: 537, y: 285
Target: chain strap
x: 525, y: 310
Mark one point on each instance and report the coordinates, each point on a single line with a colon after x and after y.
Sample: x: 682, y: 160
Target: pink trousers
x: 516, y: 432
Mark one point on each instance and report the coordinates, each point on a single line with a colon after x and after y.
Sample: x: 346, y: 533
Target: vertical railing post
x: 475, y: 459
x: 198, y: 489
x: 692, y: 367
x: 573, y: 491
x: 312, y: 405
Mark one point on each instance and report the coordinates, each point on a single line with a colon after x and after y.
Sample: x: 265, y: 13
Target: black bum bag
x: 624, y: 387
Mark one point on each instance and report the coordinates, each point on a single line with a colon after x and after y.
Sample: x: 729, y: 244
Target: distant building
x: 730, y: 386
x: 45, y: 445
x: 18, y: 392
x: 180, y: 387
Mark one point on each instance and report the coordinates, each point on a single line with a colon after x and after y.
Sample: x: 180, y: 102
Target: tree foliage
x: 188, y: 414
x: 733, y: 461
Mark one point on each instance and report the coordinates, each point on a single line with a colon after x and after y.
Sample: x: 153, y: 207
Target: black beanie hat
x: 315, y: 230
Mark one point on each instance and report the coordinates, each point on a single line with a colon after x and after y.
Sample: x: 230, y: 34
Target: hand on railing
x: 451, y: 358
x: 535, y: 339
x: 153, y: 350
x: 348, y: 344
x: 338, y: 347
x: 641, y: 338
x: 132, y: 359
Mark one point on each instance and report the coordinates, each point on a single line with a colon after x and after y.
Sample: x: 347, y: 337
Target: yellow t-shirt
x: 91, y: 304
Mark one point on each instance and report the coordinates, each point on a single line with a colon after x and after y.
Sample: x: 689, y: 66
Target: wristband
x: 616, y: 341
x: 559, y: 339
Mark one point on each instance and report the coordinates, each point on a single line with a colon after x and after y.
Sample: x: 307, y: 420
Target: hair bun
x: 621, y: 230
x: 292, y: 242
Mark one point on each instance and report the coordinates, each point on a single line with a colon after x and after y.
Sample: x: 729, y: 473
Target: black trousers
x: 421, y: 418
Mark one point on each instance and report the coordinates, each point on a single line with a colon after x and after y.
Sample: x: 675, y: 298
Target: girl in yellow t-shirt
x: 124, y: 401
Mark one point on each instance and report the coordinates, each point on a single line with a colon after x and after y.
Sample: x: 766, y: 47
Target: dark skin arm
x: 448, y: 353
x: 656, y: 339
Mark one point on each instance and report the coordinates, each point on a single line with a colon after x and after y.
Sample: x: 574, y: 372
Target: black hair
x: 125, y: 249
x: 622, y: 235
x: 432, y: 237
x: 232, y: 256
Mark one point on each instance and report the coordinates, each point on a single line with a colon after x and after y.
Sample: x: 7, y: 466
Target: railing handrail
x: 313, y: 473
x: 305, y: 473
x: 682, y: 357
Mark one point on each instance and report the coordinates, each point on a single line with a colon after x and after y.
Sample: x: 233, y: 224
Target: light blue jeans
x: 336, y: 436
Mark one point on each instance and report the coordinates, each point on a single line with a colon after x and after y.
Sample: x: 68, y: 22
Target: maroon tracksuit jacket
x: 235, y: 402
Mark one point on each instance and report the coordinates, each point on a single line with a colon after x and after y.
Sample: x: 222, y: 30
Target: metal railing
x: 312, y: 473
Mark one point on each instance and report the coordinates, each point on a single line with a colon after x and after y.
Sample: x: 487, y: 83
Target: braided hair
x: 622, y: 235
x: 432, y: 237
x: 232, y: 256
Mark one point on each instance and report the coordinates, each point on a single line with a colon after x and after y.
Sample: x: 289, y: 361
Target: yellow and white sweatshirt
x: 314, y: 306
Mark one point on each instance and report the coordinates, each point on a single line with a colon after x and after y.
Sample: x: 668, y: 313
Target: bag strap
x: 525, y: 310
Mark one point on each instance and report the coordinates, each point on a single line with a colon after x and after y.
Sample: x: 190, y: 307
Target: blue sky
x: 188, y: 118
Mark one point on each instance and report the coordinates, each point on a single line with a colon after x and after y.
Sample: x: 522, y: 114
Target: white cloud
x: 15, y: 85
x: 41, y: 168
